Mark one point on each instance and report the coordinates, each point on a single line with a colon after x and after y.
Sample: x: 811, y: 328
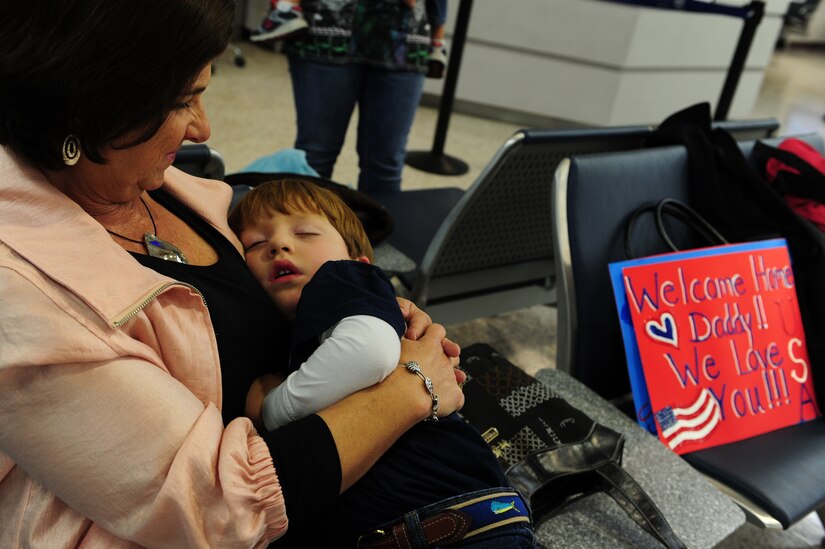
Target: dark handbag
x: 550, y: 451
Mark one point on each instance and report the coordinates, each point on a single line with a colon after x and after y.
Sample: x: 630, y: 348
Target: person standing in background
x: 373, y: 54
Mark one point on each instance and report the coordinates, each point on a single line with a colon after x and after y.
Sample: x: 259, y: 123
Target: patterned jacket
x: 381, y: 33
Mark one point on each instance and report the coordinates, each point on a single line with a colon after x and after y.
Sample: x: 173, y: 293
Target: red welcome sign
x: 719, y: 342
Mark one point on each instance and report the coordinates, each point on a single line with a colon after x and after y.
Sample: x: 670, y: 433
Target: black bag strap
x: 624, y: 489
x: 679, y: 210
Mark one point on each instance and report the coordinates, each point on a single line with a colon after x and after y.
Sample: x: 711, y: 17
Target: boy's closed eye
x: 305, y: 227
x: 252, y: 246
x: 256, y: 244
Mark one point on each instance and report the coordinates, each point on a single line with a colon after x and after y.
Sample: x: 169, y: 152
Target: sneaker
x: 437, y: 62
x: 279, y: 24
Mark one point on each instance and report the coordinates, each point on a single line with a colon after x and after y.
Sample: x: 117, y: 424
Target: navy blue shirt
x: 433, y: 461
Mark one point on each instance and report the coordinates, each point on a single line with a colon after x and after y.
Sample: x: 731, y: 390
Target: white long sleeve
x: 359, y: 351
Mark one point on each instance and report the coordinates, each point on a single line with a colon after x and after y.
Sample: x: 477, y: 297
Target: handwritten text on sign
x: 721, y: 343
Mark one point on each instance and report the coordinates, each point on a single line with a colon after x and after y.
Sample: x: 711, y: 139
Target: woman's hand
x: 418, y: 322
x: 440, y: 366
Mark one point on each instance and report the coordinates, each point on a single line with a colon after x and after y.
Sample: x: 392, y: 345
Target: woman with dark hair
x: 120, y: 392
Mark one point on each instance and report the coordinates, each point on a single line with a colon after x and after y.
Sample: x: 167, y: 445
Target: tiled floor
x: 251, y: 112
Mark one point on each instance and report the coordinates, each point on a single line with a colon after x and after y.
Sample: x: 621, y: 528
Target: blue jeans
x: 437, y: 12
x: 325, y: 96
x: 517, y: 535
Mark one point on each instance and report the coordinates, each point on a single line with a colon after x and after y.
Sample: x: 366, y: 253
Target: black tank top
x: 253, y: 336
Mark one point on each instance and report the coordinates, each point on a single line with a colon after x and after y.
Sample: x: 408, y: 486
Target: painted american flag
x: 695, y: 422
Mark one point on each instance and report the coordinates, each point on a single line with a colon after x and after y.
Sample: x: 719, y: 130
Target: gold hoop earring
x: 71, y: 150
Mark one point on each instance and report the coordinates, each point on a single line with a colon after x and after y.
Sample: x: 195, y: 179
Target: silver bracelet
x: 414, y: 368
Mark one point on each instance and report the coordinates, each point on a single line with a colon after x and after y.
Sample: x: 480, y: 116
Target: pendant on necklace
x: 163, y: 250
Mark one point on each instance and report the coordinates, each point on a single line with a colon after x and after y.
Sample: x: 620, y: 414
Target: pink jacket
x: 110, y: 389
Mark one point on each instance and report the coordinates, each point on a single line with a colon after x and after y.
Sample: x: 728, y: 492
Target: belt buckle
x: 373, y: 536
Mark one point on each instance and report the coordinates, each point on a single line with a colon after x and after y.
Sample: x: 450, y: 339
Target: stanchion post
x: 740, y: 55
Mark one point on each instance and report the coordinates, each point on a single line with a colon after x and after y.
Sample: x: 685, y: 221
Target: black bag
x: 377, y: 221
x: 550, y: 451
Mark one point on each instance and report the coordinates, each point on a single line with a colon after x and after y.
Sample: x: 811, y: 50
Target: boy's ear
x: 362, y: 259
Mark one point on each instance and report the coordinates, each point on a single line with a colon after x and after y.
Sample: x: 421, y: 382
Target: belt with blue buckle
x: 455, y: 523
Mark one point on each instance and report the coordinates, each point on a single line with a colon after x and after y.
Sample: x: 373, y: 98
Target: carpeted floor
x: 527, y: 337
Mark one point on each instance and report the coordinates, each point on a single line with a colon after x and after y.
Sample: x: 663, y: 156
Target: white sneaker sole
x: 281, y: 32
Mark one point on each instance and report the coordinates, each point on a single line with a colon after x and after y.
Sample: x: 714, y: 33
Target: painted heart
x: 664, y: 330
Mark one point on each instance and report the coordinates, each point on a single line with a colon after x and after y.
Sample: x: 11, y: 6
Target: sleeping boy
x: 310, y: 253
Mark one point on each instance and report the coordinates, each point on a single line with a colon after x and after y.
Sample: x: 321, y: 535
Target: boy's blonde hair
x: 289, y: 196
